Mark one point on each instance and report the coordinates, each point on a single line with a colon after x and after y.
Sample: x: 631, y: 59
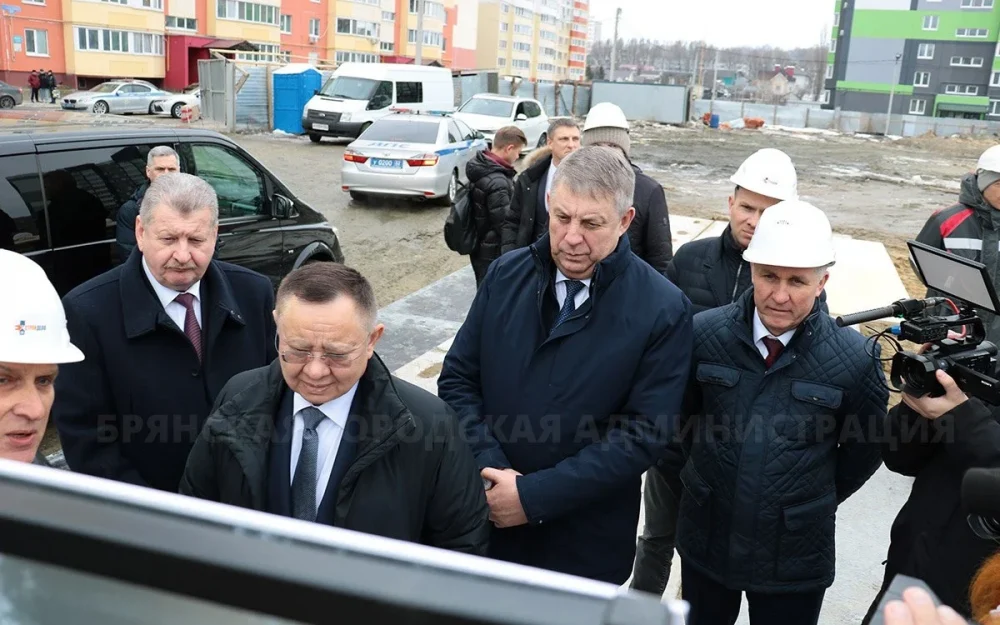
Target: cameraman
x: 971, y: 228
x: 935, y: 440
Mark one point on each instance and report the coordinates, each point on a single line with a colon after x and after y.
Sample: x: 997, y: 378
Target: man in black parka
x: 491, y: 175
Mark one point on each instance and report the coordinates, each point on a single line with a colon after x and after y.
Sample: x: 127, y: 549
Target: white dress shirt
x: 582, y: 296
x: 760, y: 332
x: 330, y: 432
x: 548, y: 185
x: 175, y: 310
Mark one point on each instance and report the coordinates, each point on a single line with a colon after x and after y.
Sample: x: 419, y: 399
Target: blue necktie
x: 304, y: 482
x: 569, y: 305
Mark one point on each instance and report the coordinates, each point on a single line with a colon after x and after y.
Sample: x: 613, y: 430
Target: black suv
x: 60, y: 193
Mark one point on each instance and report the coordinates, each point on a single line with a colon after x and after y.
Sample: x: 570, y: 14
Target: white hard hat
x: 32, y: 319
x: 605, y: 115
x: 792, y: 233
x: 769, y: 172
x: 990, y: 160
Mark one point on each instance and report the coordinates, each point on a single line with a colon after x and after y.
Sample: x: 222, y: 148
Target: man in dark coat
x: 491, y: 174
x: 528, y: 218
x: 327, y: 434
x: 162, y: 335
x: 936, y: 440
x: 971, y: 229
x: 649, y: 234
x: 783, y: 419
x: 568, y: 375
x: 34, y: 342
x: 712, y: 273
x: 161, y: 160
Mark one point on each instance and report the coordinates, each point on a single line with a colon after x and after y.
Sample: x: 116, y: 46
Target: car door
x: 461, y: 152
x: 248, y: 234
x: 83, y: 186
x: 139, y: 98
x: 22, y: 209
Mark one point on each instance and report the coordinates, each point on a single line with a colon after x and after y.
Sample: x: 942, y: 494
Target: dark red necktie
x: 191, y: 327
x: 774, y: 347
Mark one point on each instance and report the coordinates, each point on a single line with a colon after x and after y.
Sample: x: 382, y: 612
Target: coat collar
x: 604, y: 273
x: 742, y: 317
x: 143, y: 312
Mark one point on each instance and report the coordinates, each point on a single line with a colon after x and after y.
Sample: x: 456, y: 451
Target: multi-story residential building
x: 937, y: 57
x: 594, y: 33
x: 536, y: 39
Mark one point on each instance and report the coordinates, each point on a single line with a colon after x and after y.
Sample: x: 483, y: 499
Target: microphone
x: 903, y: 307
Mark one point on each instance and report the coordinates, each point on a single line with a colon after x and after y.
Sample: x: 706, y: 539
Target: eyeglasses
x: 301, y: 357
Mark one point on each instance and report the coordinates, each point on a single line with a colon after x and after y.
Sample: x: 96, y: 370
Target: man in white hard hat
x: 971, y: 228
x: 782, y: 422
x: 712, y: 273
x: 649, y: 234
x: 34, y: 341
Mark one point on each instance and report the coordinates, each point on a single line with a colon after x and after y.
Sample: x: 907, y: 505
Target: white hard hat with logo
x: 32, y: 319
x: 769, y: 172
x: 990, y: 160
x: 605, y: 115
x: 793, y: 234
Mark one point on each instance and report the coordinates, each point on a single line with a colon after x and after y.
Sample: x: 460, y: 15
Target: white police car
x: 410, y: 154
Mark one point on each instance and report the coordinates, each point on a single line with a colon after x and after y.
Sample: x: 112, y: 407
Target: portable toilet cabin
x: 293, y: 85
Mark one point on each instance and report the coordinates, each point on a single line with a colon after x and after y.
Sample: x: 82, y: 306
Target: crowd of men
x: 591, y: 356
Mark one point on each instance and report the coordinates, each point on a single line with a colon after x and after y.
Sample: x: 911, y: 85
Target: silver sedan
x: 416, y: 155
x: 10, y: 96
x: 133, y: 96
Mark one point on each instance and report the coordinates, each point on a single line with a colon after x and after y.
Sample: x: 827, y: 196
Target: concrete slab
x: 863, y: 278
x: 684, y: 229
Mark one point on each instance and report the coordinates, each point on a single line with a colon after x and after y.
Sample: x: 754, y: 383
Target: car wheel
x: 360, y: 198
x: 100, y: 107
x: 542, y: 140
x: 175, y: 110
x: 6, y: 102
x: 150, y: 111
x: 315, y: 138
x: 449, y: 198
x: 364, y: 127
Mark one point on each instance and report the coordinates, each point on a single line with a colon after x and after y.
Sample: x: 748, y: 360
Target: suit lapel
x: 279, y: 491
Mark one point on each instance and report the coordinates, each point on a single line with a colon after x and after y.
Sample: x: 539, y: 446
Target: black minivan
x: 60, y: 192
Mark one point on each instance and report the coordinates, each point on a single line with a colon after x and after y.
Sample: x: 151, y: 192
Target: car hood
x: 336, y: 105
x: 80, y: 95
x: 485, y: 123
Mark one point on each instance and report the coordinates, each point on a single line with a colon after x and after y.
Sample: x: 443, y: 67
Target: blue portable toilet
x: 293, y: 85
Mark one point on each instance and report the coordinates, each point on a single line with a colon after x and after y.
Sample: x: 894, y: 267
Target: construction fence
x: 810, y: 115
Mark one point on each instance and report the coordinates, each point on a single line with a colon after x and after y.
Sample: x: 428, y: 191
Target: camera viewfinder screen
x: 953, y: 278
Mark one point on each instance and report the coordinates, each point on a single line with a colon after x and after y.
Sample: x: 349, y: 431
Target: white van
x: 359, y: 93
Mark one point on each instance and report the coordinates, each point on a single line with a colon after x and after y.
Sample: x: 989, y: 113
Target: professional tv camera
x: 967, y: 356
x: 981, y: 500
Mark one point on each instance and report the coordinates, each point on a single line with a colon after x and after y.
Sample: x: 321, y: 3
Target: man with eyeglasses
x: 162, y: 334
x: 328, y: 435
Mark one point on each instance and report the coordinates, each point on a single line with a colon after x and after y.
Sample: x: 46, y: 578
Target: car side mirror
x: 282, y: 207
x: 521, y: 117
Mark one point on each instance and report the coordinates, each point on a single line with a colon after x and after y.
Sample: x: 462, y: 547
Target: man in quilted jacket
x: 781, y: 423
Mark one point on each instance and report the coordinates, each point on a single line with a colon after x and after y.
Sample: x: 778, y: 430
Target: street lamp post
x: 892, y: 92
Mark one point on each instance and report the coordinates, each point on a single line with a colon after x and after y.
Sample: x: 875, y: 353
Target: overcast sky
x: 781, y: 23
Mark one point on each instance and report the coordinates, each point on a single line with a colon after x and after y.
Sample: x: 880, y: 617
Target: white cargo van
x: 359, y: 93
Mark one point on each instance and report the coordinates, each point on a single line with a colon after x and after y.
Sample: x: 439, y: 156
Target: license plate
x: 387, y: 163
x: 321, y: 127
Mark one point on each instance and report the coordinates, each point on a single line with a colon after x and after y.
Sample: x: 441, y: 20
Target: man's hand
x: 933, y: 407
x: 503, y: 498
x: 917, y: 608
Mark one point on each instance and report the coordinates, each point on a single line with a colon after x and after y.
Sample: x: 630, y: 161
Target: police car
x: 410, y: 154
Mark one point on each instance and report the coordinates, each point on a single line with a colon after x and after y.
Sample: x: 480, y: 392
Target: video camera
x: 968, y: 358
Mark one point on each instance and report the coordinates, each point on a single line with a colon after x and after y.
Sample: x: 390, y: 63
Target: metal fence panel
x: 547, y: 97
x: 212, y: 81
x: 251, y: 99
x: 666, y: 104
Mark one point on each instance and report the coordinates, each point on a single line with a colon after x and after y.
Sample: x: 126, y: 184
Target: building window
x: 41, y: 2
x: 829, y: 72
x: 521, y: 29
x: 153, y: 4
x: 358, y: 28
x: 961, y: 89
x: 433, y: 10
x: 504, y: 7
x: 833, y: 46
x: 107, y: 40
x: 36, y: 42
x: 966, y: 61
x: 182, y: 23
x: 501, y: 62
x: 430, y: 38
x: 522, y: 47
x: 247, y: 11
x: 387, y: 46
x: 994, y: 107
x: 930, y: 22
x: 925, y: 51
x: 314, y: 27
x: 922, y: 79
x: 521, y: 12
x: 504, y: 27
x: 918, y: 107
x: 388, y: 16
x: 836, y: 19
x: 826, y: 96
x: 977, y: 4
x: 355, y: 57
x: 503, y: 44
x: 972, y: 33
x: 519, y: 64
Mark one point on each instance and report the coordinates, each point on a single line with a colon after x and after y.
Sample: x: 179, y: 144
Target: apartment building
x: 938, y: 57
x: 535, y: 39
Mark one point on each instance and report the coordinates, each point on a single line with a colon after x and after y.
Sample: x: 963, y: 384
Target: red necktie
x: 774, y: 347
x: 191, y: 327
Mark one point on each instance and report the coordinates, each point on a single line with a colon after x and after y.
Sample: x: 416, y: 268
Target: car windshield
x: 105, y: 87
x: 488, y: 106
x: 402, y: 131
x: 350, y: 88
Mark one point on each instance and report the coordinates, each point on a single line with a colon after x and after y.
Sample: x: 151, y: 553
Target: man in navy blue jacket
x: 568, y: 375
